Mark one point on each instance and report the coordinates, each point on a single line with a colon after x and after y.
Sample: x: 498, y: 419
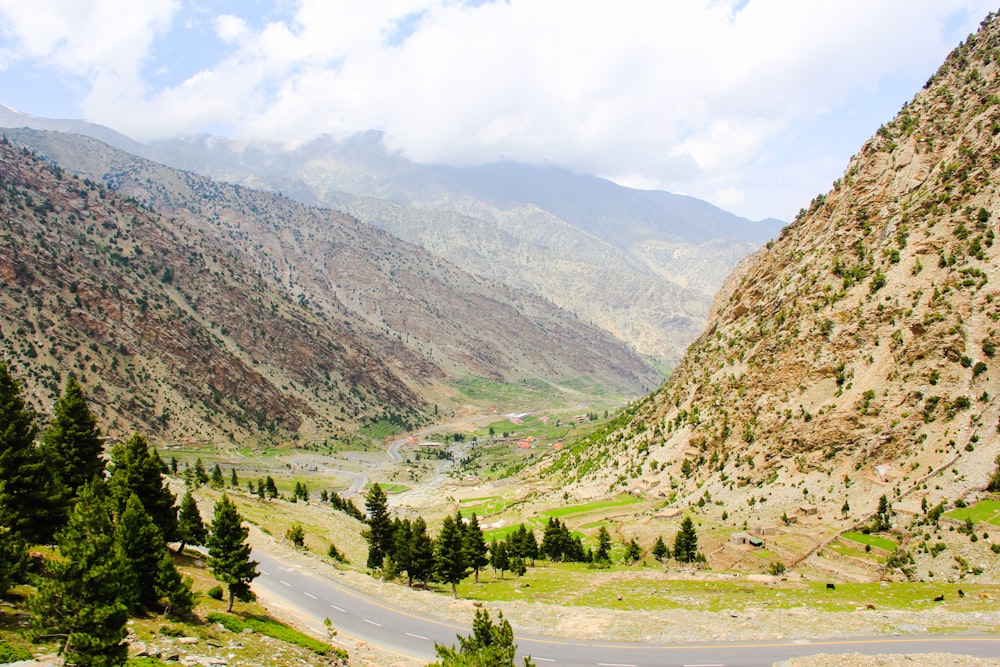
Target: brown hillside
x: 864, y: 335
x: 169, y: 333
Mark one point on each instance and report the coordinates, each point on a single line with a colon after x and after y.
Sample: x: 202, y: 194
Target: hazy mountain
x: 275, y: 315
x: 856, y: 356
x: 643, y: 265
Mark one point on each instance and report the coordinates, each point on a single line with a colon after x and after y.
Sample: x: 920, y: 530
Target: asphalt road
x: 361, y: 617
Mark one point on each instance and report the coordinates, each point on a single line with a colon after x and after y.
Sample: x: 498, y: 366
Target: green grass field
x: 574, y: 584
x: 871, y: 540
x: 985, y: 511
x: 571, y: 510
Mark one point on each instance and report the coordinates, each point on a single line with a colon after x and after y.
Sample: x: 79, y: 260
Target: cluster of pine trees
x: 110, y: 521
x: 403, y: 548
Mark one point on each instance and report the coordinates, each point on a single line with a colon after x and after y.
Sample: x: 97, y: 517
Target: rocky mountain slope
x: 643, y: 265
x: 856, y: 356
x: 193, y: 309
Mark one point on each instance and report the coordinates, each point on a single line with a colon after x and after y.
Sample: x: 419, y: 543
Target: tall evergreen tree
x: 28, y: 487
x: 522, y: 543
x: 686, y: 542
x: 228, y: 552
x: 476, y: 551
x: 72, y: 442
x: 660, y: 550
x: 421, y: 551
x: 86, y: 595
x: 159, y: 584
x: 379, y: 531
x: 218, y: 481
x: 271, y: 487
x: 556, y: 540
x: 499, y: 556
x: 449, y: 554
x: 402, y: 535
x: 603, y: 554
x: 200, y: 476
x: 234, y: 480
x: 190, y: 527
x: 136, y: 469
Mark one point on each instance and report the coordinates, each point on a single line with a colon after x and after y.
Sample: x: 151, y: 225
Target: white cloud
x: 698, y: 96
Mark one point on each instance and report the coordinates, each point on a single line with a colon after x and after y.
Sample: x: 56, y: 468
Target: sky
x: 753, y: 105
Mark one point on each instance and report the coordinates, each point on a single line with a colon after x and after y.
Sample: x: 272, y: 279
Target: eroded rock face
x: 864, y: 335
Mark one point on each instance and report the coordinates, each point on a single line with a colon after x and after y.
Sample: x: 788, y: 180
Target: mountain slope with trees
x: 856, y: 357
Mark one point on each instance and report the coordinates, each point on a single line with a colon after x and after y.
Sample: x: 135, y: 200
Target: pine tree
x: 86, y: 596
x: 686, y: 542
x: 476, y: 551
x: 660, y: 550
x: 234, y: 481
x: 157, y: 577
x: 190, y: 527
x: 72, y: 444
x: 449, y: 555
x: 489, y: 645
x: 28, y: 489
x: 402, y: 535
x: 603, y: 554
x: 379, y: 531
x: 136, y: 469
x: 883, y: 517
x: 499, y: 556
x: 271, y: 487
x: 421, y: 551
x: 218, y: 481
x: 200, y: 476
x: 633, y: 552
x: 228, y: 552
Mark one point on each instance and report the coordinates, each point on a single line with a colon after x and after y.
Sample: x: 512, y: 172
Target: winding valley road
x: 314, y: 595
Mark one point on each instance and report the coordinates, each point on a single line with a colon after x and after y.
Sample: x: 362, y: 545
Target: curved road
x: 364, y: 618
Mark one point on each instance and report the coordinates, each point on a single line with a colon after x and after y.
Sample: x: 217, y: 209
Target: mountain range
x: 194, y: 309
x: 642, y: 265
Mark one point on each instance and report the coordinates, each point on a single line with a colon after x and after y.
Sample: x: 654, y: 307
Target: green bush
x: 215, y: 592
x: 10, y: 653
x: 171, y: 631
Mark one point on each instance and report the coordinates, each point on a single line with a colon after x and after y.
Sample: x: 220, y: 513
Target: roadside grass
x: 875, y: 541
x: 639, y: 588
x: 985, y: 511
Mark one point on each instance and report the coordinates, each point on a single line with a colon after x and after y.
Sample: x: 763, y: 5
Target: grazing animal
x: 831, y: 587
x: 869, y: 606
x: 961, y: 593
x: 939, y: 598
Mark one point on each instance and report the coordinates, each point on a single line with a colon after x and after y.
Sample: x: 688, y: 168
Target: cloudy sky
x: 753, y: 105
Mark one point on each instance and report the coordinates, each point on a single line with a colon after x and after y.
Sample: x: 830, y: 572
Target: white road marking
x: 309, y: 595
x: 333, y: 606
x: 535, y: 657
x: 615, y: 664
x: 285, y: 582
x: 373, y: 623
x: 410, y: 634
x: 265, y: 573
x: 711, y: 664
